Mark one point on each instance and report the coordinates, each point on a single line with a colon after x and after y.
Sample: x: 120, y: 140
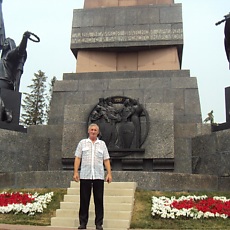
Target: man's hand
x: 76, y: 177
x: 108, y: 178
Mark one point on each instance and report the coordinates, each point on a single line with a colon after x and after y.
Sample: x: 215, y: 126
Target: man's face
x: 93, y: 132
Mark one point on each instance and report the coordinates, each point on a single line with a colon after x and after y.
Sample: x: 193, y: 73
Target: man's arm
x: 108, y: 168
x: 77, y: 163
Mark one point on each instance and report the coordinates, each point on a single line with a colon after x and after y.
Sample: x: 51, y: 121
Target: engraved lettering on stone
x: 131, y: 35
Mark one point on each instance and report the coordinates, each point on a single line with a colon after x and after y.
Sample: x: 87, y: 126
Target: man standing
x: 93, y: 155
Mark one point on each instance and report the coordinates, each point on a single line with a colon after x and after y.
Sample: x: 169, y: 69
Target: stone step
x: 111, y: 206
x: 118, y: 206
x: 113, y: 185
x: 73, y: 222
x: 107, y: 199
x: 120, y: 215
x: 107, y: 192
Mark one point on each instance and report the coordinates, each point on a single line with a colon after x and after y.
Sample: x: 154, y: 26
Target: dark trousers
x: 85, y: 194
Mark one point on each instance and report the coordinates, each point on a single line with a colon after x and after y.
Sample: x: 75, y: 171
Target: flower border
x: 195, y: 207
x: 38, y: 204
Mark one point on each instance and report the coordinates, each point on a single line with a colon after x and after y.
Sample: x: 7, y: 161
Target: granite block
x: 75, y: 127
x: 155, y: 95
x: 7, y: 180
x: 224, y: 158
x: 78, y: 18
x: 100, y: 17
x: 188, y: 118
x: 93, y: 85
x: 54, y: 133
x: 175, y: 96
x: 110, y: 16
x: 171, y: 14
x: 188, y: 182
x: 224, y: 184
x: 187, y: 130
x: 57, y: 108
x: 145, y: 180
x: 120, y: 84
x: 16, y: 150
x: 72, y: 98
x: 203, y: 145
x: 65, y: 86
x: 160, y: 111
x: 211, y: 154
x: 155, y: 82
x: 184, y: 83
x: 160, y: 143
x: 51, y: 179
x: 183, y: 153
x: 120, y: 16
x: 192, y: 102
x: 207, y: 164
x: 223, y: 141
x: 131, y: 16
x: 203, y: 129
x: 88, y: 17
x: 128, y: 75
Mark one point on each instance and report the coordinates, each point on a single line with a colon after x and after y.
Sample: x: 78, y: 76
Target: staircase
x: 118, y: 206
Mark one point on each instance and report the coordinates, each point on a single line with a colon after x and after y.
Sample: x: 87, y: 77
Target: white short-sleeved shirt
x: 92, y: 158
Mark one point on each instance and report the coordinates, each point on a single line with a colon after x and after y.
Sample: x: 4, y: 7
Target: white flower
x: 162, y: 206
x: 39, y: 204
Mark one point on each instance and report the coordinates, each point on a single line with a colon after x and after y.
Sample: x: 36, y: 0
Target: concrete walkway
x: 26, y: 227
x: 29, y: 227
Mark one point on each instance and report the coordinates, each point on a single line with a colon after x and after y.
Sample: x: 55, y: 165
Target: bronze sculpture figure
x: 226, y: 34
x: 12, y: 61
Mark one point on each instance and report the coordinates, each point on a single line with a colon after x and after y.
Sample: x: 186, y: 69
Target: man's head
x: 93, y: 131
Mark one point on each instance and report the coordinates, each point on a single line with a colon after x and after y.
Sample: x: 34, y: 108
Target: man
x: 93, y: 155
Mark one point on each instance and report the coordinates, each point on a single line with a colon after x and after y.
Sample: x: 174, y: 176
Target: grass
x: 141, y: 218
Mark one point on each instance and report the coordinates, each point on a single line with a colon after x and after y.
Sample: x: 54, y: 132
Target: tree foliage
x: 49, y: 97
x: 35, y: 102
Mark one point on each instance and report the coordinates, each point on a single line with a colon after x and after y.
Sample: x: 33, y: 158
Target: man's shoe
x: 82, y: 227
x: 99, y: 227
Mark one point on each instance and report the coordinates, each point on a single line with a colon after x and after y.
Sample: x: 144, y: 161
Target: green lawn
x: 141, y: 219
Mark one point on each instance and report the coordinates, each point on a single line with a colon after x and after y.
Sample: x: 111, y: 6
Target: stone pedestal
x: 130, y: 49
x: 12, y: 102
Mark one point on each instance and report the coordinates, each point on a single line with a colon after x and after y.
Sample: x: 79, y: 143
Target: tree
x: 49, y: 97
x: 35, y: 104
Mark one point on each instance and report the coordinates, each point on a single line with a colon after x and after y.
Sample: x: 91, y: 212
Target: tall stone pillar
x: 130, y: 50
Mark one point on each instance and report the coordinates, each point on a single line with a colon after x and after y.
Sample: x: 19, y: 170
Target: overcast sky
x: 51, y: 20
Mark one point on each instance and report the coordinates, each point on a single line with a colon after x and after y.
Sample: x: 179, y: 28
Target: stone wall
x: 211, y: 154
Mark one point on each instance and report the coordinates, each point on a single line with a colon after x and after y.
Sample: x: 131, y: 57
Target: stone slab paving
x: 29, y: 227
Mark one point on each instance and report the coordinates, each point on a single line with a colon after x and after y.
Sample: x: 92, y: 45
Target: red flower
x: 15, y: 198
x: 206, y: 205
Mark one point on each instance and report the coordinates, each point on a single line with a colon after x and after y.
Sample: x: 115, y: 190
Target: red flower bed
x: 207, y: 205
x: 15, y: 198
